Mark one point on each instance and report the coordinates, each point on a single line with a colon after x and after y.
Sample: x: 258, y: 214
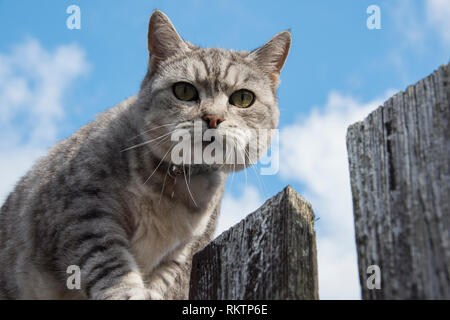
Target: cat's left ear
x: 163, y: 40
x: 271, y: 56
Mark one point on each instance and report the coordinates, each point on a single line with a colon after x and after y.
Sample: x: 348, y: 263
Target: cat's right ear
x: 163, y: 40
x: 271, y: 56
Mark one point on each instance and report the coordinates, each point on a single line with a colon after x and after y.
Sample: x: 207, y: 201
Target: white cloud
x: 415, y: 21
x: 234, y: 209
x: 414, y: 24
x: 407, y: 22
x: 33, y: 82
x: 338, y: 269
x: 313, y: 152
x: 438, y: 16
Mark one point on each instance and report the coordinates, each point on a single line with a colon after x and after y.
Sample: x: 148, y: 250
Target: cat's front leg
x: 163, y: 278
x: 98, y: 244
x: 170, y: 278
x: 126, y: 287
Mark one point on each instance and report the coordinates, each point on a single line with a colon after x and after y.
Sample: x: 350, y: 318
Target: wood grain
x: 271, y: 254
x: 399, y: 159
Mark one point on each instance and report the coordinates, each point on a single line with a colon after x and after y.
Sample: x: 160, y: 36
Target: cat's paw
x: 130, y: 293
x: 146, y: 294
x: 154, y: 295
x: 123, y: 293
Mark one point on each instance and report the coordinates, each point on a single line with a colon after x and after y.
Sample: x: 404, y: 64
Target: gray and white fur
x: 105, y: 198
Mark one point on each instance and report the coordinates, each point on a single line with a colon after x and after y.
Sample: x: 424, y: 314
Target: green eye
x: 242, y: 98
x: 185, y: 91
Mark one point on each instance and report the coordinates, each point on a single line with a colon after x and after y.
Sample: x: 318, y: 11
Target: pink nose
x: 212, y: 121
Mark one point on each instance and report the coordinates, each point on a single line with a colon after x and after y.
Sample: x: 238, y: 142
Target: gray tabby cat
x: 108, y: 200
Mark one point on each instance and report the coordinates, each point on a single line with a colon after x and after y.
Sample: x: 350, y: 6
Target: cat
x: 109, y: 201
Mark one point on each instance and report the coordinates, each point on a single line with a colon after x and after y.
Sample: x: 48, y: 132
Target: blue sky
x: 54, y: 80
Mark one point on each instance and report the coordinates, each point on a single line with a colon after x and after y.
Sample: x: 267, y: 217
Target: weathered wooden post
x: 399, y: 159
x: 271, y: 254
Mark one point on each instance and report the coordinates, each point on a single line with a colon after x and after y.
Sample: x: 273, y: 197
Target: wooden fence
x: 271, y: 254
x: 399, y: 160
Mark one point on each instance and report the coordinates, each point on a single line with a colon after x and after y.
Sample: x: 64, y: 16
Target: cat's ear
x: 163, y: 40
x: 271, y: 56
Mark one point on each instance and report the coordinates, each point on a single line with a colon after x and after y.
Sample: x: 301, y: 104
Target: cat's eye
x: 242, y: 98
x: 185, y: 91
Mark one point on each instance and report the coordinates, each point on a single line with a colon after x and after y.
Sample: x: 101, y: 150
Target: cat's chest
x: 161, y: 226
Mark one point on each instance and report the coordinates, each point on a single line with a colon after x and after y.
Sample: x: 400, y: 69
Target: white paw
x: 123, y: 293
x: 154, y: 295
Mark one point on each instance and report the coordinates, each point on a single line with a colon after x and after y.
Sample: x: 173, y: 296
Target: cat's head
x: 226, y: 91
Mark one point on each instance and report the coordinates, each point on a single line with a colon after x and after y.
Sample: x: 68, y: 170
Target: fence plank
x: 271, y: 254
x: 399, y: 159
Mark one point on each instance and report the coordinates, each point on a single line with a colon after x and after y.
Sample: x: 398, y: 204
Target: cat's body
x: 109, y: 201
x: 59, y: 182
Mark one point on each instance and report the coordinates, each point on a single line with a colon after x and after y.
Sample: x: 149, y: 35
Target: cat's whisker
x: 234, y: 160
x: 165, y: 177
x: 159, y: 164
x: 147, y: 142
x: 153, y: 147
x: 187, y: 185
x: 164, y: 183
x: 226, y: 158
x: 226, y: 151
x: 161, y: 141
x: 244, y: 158
x: 154, y: 128
x: 261, y: 182
x: 189, y: 173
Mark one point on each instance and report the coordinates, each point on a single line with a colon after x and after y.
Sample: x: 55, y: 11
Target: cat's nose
x: 212, y: 121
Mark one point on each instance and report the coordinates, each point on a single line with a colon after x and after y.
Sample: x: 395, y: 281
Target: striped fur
x: 90, y: 203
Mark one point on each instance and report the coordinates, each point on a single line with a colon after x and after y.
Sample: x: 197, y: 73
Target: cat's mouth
x: 204, y: 151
